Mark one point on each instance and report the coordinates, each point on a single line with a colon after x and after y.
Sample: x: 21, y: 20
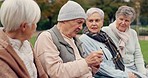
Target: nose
x: 81, y: 27
x: 94, y: 23
x: 123, y: 22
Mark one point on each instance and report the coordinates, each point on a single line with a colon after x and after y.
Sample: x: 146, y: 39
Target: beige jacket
x: 11, y: 65
x: 53, y: 64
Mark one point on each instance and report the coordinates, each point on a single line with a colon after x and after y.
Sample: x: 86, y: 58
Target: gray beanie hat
x: 71, y: 10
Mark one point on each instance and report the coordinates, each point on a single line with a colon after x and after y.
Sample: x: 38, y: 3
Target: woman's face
x: 123, y: 23
x: 94, y: 23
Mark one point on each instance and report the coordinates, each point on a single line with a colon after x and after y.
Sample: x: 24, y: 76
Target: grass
x: 32, y: 40
x: 144, y: 48
x: 143, y: 44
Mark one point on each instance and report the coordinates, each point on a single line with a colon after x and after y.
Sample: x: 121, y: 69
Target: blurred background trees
x: 50, y: 9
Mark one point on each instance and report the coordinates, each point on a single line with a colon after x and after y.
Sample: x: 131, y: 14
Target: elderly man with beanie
x: 60, y: 51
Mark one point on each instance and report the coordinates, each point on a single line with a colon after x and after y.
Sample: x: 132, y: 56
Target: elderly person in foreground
x: 60, y: 51
x: 17, y: 59
x: 126, y: 39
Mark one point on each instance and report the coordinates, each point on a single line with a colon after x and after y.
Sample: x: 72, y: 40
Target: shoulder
x: 87, y: 40
x: 43, y: 38
x: 4, y: 65
x: 133, y: 32
x: 83, y: 37
x: 3, y: 46
x: 106, y: 29
x: 44, y: 35
x: 6, y: 71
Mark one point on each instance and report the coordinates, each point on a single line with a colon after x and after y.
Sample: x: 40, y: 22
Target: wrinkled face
x: 123, y: 23
x: 72, y: 27
x: 94, y: 23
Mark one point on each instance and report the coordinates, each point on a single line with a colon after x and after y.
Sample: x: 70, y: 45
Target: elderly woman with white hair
x: 95, y: 39
x: 126, y: 39
x: 17, y: 59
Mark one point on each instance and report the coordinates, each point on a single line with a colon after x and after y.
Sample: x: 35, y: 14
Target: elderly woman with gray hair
x: 126, y: 39
x: 17, y: 59
x: 95, y: 39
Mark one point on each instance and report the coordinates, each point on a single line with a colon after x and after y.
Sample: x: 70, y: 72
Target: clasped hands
x: 94, y: 59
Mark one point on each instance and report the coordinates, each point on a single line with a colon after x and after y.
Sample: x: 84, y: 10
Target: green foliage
x: 1, y: 3
x: 141, y: 30
x: 144, y: 19
x: 44, y: 25
x: 144, y: 8
x: 109, y: 7
x: 32, y: 40
x: 50, y: 10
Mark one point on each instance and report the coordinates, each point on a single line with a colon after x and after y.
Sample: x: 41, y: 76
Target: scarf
x: 104, y: 38
x: 122, y: 36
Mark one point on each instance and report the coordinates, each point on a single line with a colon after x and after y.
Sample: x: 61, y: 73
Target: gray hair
x: 126, y: 11
x: 95, y: 10
x: 14, y: 12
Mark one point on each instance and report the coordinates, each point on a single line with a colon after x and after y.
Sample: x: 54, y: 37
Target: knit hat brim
x: 71, y: 10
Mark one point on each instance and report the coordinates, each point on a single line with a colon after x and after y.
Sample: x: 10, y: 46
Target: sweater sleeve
x: 139, y: 61
x: 107, y: 67
x: 53, y: 64
x: 107, y: 70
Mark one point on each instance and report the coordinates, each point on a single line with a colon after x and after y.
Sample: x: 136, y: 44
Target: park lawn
x: 32, y: 40
x: 143, y: 44
x: 144, y: 48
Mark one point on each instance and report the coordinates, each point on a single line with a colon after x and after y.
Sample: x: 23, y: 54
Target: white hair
x: 95, y: 10
x: 126, y: 11
x: 15, y: 12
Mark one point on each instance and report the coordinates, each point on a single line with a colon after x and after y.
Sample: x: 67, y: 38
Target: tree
x: 144, y: 12
x: 51, y: 8
x: 109, y: 7
x: 49, y: 13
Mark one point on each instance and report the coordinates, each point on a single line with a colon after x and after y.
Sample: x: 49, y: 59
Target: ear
x: 102, y: 23
x: 23, y: 26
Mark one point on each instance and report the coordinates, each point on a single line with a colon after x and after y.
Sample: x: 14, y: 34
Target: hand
x: 131, y: 75
x: 94, y: 59
x: 94, y: 69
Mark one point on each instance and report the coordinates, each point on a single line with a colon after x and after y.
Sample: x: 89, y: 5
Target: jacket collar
x: 62, y: 41
x: 9, y: 55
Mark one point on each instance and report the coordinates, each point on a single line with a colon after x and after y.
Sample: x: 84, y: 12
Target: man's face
x: 72, y: 27
x: 123, y: 23
x: 94, y: 23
